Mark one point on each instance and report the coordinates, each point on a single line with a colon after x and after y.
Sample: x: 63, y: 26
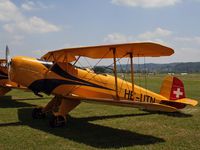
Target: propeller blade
x: 8, y: 60
x: 7, y: 55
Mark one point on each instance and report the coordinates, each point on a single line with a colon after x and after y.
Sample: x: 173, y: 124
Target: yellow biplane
x: 55, y: 74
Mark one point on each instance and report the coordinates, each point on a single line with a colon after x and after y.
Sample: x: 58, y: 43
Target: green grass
x: 93, y: 126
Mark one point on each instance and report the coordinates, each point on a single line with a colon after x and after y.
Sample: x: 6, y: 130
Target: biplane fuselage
x: 67, y: 80
x: 54, y: 74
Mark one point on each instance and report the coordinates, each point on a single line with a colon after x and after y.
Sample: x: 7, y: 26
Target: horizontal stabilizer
x: 187, y: 101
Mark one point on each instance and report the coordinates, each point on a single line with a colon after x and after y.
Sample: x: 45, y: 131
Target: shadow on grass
x: 93, y: 118
x: 11, y: 124
x: 171, y: 114
x: 25, y: 99
x: 8, y: 102
x: 81, y: 130
x: 98, y: 136
x: 176, y: 114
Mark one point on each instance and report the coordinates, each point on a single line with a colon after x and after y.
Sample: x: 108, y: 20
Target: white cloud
x: 9, y: 11
x: 146, y: 3
x: 34, y: 5
x: 157, y: 33
x: 186, y: 54
x: 28, y: 5
x: 151, y: 36
x: 15, y: 21
x: 116, y: 38
x: 191, y: 40
x: 31, y: 25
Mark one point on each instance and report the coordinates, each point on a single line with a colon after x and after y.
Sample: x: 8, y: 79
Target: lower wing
x: 127, y: 103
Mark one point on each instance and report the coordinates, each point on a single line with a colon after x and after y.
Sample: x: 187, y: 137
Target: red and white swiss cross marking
x: 178, y: 92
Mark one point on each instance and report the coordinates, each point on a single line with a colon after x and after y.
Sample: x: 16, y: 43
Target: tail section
x: 173, y: 89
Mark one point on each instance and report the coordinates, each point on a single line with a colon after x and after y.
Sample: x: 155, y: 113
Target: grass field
x: 93, y: 126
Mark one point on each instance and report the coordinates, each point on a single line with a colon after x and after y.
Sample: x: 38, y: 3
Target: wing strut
x: 132, y: 75
x: 115, y: 70
x: 76, y: 60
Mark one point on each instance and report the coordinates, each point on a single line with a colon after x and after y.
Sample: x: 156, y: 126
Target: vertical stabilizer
x: 172, y: 88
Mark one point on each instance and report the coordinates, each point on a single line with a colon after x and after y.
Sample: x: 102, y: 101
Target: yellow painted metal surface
x: 145, y: 49
x: 67, y: 81
x: 166, y: 87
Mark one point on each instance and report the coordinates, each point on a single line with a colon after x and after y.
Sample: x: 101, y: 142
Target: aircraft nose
x: 13, y: 66
x: 14, y: 63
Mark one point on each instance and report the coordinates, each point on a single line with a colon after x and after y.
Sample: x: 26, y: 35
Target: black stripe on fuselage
x: 56, y: 68
x: 3, y: 73
x: 48, y: 85
x: 3, y: 77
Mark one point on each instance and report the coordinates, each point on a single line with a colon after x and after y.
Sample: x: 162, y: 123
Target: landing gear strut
x: 59, y: 107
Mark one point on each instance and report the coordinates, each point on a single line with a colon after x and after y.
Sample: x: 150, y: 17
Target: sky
x: 34, y: 27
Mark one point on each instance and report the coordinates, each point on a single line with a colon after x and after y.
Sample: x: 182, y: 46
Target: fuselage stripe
x: 56, y: 68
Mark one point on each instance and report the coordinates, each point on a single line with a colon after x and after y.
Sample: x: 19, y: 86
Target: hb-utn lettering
x: 128, y: 94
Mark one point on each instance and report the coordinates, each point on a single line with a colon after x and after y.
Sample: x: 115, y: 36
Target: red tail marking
x: 177, y: 91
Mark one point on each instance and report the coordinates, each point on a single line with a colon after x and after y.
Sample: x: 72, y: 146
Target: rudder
x: 172, y: 88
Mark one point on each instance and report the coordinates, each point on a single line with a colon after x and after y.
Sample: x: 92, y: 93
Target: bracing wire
x: 108, y: 67
x: 76, y: 60
x: 76, y: 87
x: 124, y: 77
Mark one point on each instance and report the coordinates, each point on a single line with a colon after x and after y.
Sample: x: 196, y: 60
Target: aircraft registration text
x: 128, y: 94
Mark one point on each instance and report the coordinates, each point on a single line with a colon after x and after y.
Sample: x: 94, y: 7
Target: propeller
x: 8, y: 58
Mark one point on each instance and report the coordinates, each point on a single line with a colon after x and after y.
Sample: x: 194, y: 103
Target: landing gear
x: 57, y: 121
x: 59, y: 107
x: 37, y: 113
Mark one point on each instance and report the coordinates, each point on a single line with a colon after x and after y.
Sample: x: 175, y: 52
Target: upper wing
x: 145, y: 49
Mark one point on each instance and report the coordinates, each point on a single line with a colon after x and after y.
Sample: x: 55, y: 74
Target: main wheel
x: 57, y: 121
x: 37, y: 113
